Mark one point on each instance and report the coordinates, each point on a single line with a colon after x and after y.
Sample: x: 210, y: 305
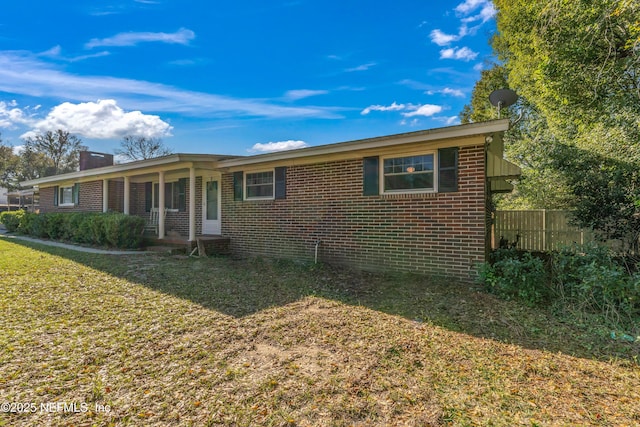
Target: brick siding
x: 90, y: 199
x: 440, y: 234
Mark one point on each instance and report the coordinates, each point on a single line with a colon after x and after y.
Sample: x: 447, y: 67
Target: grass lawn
x: 163, y: 340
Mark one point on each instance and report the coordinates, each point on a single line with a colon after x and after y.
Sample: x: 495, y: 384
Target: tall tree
x: 8, y: 167
x: 480, y: 109
x: 60, y: 147
x: 142, y: 147
x: 527, y: 143
x: 577, y: 62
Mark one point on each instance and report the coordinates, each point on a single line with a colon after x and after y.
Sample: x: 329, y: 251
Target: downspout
x: 488, y: 209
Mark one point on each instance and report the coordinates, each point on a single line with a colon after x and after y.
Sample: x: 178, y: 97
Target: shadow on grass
x: 242, y: 287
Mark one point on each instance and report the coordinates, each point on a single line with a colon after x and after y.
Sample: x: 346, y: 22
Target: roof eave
x: 459, y: 131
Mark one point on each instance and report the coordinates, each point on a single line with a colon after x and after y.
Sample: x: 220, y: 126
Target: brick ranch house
x: 416, y: 201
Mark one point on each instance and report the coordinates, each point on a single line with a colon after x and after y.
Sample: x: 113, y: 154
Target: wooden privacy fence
x: 539, y: 230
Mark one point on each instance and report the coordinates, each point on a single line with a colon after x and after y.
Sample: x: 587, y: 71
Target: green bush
x: 516, y: 275
x: 35, y: 225
x: 11, y: 220
x: 123, y: 231
x: 592, y: 278
x: 84, y: 230
x: 587, y: 279
x: 70, y: 226
x: 97, y: 229
x: 113, y: 229
x: 55, y: 225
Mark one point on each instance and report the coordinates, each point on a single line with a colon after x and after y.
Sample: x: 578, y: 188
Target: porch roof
x: 139, y: 167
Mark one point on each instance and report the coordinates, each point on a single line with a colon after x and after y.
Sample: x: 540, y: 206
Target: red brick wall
x: 90, y: 199
x: 440, y: 234
x: 116, y: 196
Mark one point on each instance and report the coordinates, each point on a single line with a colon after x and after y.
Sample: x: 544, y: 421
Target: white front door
x: 211, y: 207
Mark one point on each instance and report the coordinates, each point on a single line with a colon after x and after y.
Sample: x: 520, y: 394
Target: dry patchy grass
x: 174, y: 341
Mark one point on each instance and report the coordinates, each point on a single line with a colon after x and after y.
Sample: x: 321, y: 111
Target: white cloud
x: 363, y: 67
x: 26, y: 74
x: 463, y: 54
x: 487, y: 10
x: 278, y: 146
x: 294, y: 95
x: 469, y: 6
x: 99, y: 120
x: 466, y: 12
x: 182, y: 36
x: 453, y: 92
x: 442, y: 39
x: 426, y: 110
x: 447, y: 91
x: 409, y: 110
x: 11, y: 115
x: 392, y: 107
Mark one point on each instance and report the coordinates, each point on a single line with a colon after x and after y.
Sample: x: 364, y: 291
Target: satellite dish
x: 502, y: 98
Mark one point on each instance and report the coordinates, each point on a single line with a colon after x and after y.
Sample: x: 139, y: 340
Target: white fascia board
x: 460, y: 131
x: 127, y: 169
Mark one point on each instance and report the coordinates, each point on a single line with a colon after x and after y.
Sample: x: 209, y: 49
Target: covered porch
x: 179, y: 199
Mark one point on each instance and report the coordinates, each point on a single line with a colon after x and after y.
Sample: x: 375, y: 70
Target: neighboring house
x: 417, y: 201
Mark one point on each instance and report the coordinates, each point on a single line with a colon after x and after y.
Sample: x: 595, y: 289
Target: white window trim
x: 434, y: 153
x: 273, y: 184
x: 153, y: 195
x: 60, y: 191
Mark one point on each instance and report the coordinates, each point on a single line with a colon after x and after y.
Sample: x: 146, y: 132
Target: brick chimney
x: 92, y: 160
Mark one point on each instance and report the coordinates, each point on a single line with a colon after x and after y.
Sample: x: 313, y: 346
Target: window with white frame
x: 65, y: 196
x: 408, y: 174
x: 259, y: 185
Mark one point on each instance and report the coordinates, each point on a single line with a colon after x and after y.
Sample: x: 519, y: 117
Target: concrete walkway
x: 3, y: 234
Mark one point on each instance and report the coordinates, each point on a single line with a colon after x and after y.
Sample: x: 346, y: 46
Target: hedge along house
x: 410, y: 202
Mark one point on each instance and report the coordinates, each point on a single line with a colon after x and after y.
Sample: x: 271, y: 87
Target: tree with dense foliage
x: 8, y: 167
x: 527, y: 144
x: 51, y: 153
x: 142, y: 147
x: 576, y: 65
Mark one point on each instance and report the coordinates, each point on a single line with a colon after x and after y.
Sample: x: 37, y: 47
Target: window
x: 259, y: 185
x: 67, y: 195
x: 408, y: 174
x: 174, y: 195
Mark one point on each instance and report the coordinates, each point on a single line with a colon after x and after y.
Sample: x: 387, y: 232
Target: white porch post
x: 105, y: 195
x: 127, y: 185
x: 161, y: 205
x: 192, y: 204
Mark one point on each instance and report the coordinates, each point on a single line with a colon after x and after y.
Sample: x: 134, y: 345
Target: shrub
x: 11, y: 219
x: 113, y: 229
x: 516, y: 276
x: 123, y: 231
x: 593, y: 279
x: 55, y: 225
x: 36, y: 225
x: 70, y: 226
x: 587, y: 279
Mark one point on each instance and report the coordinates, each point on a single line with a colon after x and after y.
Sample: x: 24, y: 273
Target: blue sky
x: 238, y: 77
